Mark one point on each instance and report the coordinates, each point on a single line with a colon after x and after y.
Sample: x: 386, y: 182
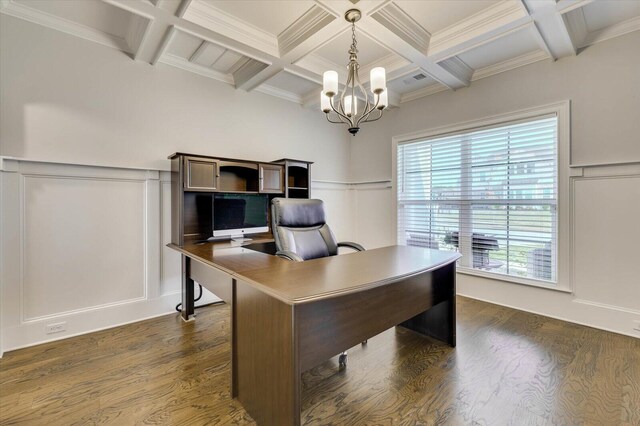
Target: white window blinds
x: 489, y: 193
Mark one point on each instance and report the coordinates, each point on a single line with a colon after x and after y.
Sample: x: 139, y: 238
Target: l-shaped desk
x: 288, y: 317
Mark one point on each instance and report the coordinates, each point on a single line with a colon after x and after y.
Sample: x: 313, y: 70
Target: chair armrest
x: 289, y: 255
x: 349, y: 244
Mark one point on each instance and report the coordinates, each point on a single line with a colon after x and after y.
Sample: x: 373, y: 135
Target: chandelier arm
x: 367, y: 106
x: 375, y: 119
x: 340, y: 115
x: 344, y: 93
x: 335, y: 122
x: 365, y: 115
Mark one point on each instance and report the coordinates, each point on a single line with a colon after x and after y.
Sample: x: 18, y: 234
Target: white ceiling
x: 282, y: 47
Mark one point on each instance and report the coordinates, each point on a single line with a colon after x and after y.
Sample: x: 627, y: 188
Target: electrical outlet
x: 55, y: 328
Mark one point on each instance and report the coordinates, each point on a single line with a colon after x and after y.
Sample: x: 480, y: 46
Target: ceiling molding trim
x: 254, y: 73
x: 478, y: 29
x: 137, y: 34
x: 280, y: 93
x: 210, y: 17
x: 404, y: 26
x: 617, y: 30
x: 168, y: 37
x: 576, y: 26
x: 19, y: 10
x: 459, y: 68
x: 184, y: 5
x: 178, y: 62
x: 421, y: 93
x: 303, y: 28
x: 564, y: 6
x: 510, y: 64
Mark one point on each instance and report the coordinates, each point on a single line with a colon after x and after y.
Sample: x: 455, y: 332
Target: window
x: 489, y: 193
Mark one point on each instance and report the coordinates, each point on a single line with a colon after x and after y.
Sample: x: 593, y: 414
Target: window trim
x: 563, y: 112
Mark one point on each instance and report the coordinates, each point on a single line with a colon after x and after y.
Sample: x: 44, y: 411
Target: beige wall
x: 70, y: 100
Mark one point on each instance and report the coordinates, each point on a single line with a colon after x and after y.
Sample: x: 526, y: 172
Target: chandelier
x: 343, y: 109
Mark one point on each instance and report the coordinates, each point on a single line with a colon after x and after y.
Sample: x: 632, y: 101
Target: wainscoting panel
x: 606, y: 237
x: 84, y: 244
x: 82, y: 247
x: 374, y: 218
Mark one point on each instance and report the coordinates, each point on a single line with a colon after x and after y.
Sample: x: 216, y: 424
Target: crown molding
x: 303, y: 28
x: 404, y: 26
x: 421, y: 93
x: 279, y: 93
x: 478, y: 29
x: 181, y: 63
x: 214, y: 19
x: 510, y: 64
x: 22, y: 11
x: 617, y: 30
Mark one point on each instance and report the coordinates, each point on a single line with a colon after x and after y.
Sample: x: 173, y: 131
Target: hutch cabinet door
x: 201, y: 174
x: 271, y: 179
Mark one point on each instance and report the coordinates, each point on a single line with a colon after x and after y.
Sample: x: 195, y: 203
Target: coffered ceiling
x: 282, y: 47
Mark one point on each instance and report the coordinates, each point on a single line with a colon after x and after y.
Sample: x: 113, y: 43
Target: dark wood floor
x: 510, y: 367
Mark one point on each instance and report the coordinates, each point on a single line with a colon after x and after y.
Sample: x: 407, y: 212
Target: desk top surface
x: 300, y: 282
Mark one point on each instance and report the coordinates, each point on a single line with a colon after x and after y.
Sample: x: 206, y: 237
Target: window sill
x: 515, y: 280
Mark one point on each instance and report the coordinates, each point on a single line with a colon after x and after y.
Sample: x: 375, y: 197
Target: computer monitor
x: 236, y: 215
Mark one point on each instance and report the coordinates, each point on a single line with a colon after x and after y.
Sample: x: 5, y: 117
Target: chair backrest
x: 299, y: 226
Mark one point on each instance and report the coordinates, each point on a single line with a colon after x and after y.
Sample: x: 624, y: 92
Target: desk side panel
x: 267, y: 373
x: 330, y: 326
x: 214, y: 280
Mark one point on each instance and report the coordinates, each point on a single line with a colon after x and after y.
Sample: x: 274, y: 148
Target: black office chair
x: 301, y: 233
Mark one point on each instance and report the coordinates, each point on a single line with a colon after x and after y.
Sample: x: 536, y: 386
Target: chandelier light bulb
x: 378, y: 79
x: 350, y: 101
x: 325, y: 103
x: 330, y: 83
x: 383, y: 101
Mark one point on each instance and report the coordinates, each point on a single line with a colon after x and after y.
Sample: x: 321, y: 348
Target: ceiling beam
x: 254, y: 73
x: 552, y: 27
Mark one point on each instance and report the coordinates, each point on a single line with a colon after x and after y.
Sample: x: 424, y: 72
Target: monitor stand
x: 240, y: 239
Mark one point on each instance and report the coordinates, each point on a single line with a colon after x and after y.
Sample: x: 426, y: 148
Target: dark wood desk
x: 288, y: 317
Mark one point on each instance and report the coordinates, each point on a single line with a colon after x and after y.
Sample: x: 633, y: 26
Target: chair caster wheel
x: 364, y: 342
x: 342, y: 361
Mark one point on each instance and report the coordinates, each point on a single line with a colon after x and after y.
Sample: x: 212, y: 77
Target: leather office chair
x: 301, y: 233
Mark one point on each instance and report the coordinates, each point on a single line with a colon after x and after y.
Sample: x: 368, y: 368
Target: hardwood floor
x: 509, y: 367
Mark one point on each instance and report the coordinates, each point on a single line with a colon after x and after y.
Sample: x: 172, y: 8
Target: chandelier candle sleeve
x: 330, y: 83
x: 383, y: 100
x: 378, y: 80
x: 325, y: 103
x: 348, y: 102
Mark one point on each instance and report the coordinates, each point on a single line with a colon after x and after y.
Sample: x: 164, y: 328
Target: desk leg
x: 187, y: 289
x: 439, y: 321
